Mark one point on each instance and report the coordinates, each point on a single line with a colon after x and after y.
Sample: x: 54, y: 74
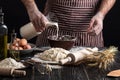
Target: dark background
x: 16, y: 16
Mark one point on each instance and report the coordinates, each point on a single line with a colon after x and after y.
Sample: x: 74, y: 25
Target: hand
x: 38, y: 19
x: 96, y: 24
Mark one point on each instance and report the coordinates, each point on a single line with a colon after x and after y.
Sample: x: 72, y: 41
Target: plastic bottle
x: 3, y: 36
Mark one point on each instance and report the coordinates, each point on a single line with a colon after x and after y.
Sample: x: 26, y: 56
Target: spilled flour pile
x: 11, y: 63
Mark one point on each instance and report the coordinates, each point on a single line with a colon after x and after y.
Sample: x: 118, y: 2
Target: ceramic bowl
x: 64, y: 41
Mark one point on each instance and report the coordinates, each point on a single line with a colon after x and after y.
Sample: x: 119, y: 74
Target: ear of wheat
x: 103, y: 59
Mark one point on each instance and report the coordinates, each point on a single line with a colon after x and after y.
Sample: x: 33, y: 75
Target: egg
x: 14, y: 42
x: 27, y: 46
x: 19, y: 44
x: 23, y: 42
x: 12, y: 47
x: 20, y: 48
x: 17, y: 39
x: 16, y: 48
x: 8, y: 46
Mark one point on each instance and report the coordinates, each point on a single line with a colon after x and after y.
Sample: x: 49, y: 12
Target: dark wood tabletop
x: 79, y: 72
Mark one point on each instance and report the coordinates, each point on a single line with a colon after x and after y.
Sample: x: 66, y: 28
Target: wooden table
x: 80, y: 72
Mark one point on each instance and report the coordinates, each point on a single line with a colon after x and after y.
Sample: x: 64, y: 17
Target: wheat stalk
x: 102, y: 59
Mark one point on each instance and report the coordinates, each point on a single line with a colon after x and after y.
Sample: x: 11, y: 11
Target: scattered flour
x: 11, y: 63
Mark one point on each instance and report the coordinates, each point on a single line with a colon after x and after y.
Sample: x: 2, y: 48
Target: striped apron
x: 73, y: 17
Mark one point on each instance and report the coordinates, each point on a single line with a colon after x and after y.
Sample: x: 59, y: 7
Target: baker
x: 80, y: 18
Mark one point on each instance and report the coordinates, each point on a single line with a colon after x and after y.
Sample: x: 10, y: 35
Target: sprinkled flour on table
x: 11, y: 63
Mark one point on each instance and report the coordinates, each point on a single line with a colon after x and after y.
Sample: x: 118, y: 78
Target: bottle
x: 15, y: 54
x: 28, y: 31
x: 3, y: 36
x: 13, y: 37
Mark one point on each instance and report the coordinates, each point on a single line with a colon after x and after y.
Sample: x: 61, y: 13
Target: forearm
x: 30, y: 5
x: 105, y: 6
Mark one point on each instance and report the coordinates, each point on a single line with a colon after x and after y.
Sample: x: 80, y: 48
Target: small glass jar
x: 13, y: 51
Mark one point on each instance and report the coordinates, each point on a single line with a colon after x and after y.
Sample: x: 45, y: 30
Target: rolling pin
x: 12, y: 72
x: 78, y: 55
